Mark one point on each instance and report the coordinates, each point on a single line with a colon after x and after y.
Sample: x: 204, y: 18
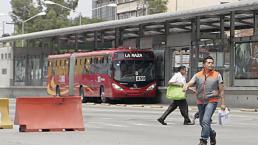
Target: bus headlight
x: 151, y: 87
x: 115, y: 86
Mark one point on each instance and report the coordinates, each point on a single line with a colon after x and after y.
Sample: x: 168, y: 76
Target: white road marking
x: 108, y: 124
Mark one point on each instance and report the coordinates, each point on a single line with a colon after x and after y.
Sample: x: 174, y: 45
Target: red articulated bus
x: 109, y: 74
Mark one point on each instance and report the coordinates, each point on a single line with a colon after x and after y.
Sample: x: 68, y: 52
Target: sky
x: 84, y: 7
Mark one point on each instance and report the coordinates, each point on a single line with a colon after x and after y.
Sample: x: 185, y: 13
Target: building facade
x: 131, y: 8
x: 179, y: 5
x: 101, y: 10
x: 6, y: 65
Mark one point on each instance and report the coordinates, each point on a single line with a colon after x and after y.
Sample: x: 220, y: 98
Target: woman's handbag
x: 175, y: 92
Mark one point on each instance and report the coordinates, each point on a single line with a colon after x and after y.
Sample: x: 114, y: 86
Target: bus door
x: 95, y: 77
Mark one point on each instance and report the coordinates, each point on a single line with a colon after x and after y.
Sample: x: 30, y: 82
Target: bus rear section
x: 58, y: 74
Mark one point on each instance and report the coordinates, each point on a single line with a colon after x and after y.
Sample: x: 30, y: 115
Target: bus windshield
x: 132, y: 71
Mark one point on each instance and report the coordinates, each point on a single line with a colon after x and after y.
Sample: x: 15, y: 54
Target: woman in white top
x: 179, y: 80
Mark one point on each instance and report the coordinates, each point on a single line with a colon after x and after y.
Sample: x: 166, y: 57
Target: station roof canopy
x: 179, y: 21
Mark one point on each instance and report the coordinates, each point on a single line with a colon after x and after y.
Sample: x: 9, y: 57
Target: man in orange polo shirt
x: 209, y: 90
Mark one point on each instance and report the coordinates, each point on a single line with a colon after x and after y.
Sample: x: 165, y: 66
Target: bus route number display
x: 140, y: 78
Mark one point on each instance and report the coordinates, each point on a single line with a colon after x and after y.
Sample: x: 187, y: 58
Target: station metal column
x: 195, y: 40
x: 76, y: 42
x: 95, y: 40
x: 117, y: 37
x: 255, y: 24
x: 140, y: 35
x: 232, y: 48
x: 166, y: 27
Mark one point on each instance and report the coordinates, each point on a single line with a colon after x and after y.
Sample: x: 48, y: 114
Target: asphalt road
x: 136, y: 125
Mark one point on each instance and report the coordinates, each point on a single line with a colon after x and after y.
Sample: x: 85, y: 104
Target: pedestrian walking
x: 196, y: 116
x: 178, y: 79
x: 210, y: 89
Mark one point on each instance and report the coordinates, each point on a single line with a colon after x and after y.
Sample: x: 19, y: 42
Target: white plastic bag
x: 223, y: 116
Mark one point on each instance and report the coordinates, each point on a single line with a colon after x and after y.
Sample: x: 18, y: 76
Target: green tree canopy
x: 157, y: 6
x: 56, y: 17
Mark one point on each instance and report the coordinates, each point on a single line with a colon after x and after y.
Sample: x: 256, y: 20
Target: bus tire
x: 82, y: 95
x: 58, y: 91
x: 102, y: 97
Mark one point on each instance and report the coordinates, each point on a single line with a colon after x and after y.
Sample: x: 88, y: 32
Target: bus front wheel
x: 58, y: 91
x: 82, y: 95
x: 102, y: 96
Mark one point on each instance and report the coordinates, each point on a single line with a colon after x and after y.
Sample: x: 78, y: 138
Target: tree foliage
x: 56, y: 17
x: 157, y: 6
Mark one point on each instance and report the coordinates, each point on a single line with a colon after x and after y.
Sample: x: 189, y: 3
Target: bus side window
x: 85, y: 61
x: 91, y: 61
x: 60, y: 67
x: 49, y: 69
x: 49, y: 63
x: 92, y: 65
x: 102, y: 60
x: 67, y: 66
x: 95, y: 60
x: 88, y: 66
x: 57, y: 67
x: 106, y: 59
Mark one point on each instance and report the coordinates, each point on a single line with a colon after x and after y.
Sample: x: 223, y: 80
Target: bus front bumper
x: 134, y: 94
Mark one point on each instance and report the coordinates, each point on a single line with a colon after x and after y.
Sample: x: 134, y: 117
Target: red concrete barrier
x: 49, y: 114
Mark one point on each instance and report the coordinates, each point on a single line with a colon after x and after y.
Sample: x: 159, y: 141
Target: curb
x: 155, y: 106
x: 105, y: 104
x: 91, y: 103
x: 123, y: 105
x: 136, y: 106
x: 248, y: 110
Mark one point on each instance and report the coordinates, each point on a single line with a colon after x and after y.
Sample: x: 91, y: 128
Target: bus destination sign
x: 133, y: 55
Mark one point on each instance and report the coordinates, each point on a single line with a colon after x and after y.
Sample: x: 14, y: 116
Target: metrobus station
x: 227, y: 32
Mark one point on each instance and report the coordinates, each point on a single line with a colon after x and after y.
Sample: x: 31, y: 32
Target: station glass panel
x: 246, y: 60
